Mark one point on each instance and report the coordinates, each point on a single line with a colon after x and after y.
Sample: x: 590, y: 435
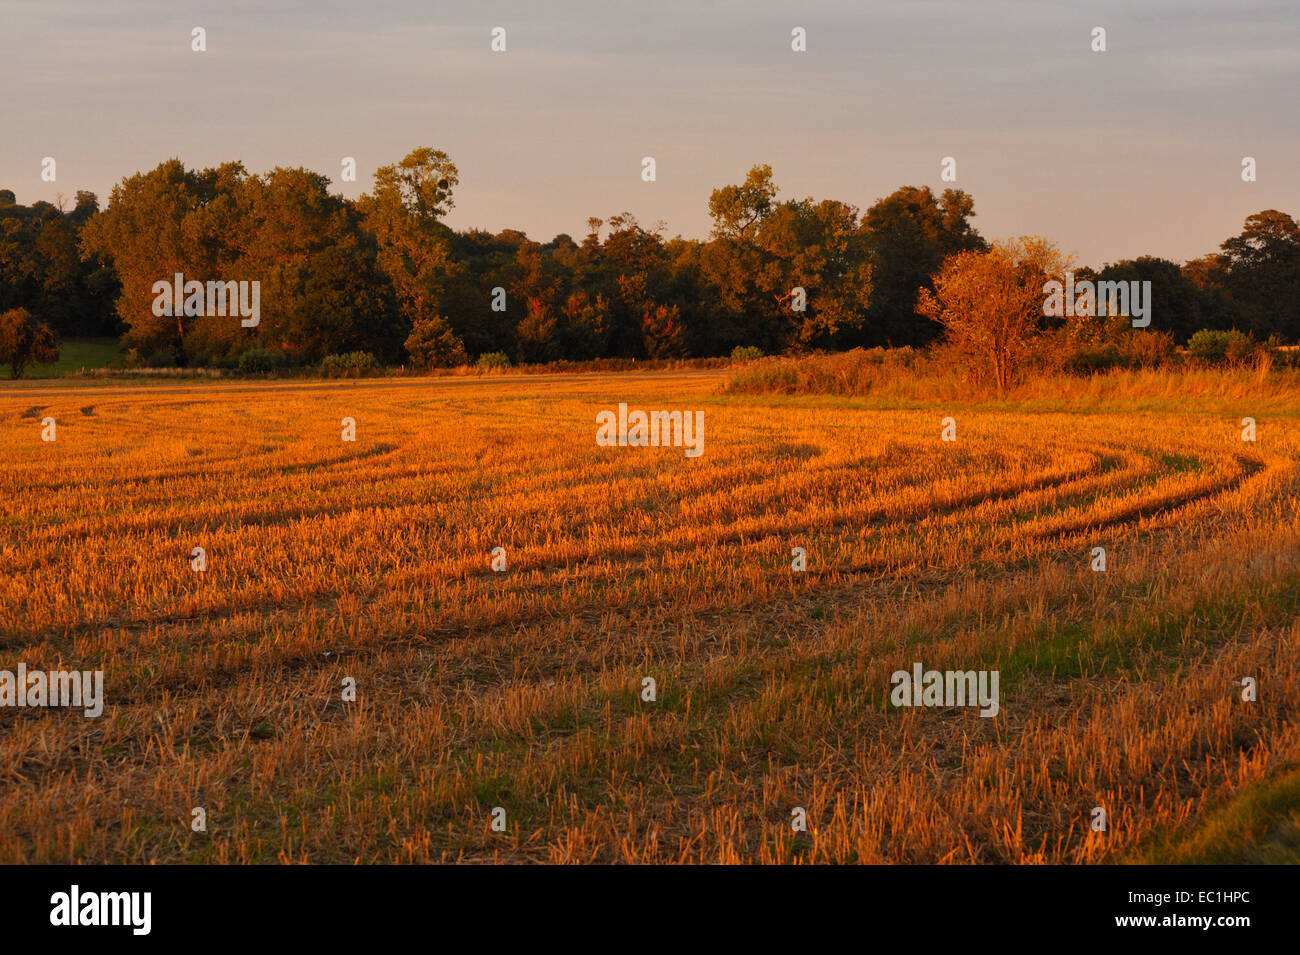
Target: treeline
x: 43, y: 271
x: 385, y: 276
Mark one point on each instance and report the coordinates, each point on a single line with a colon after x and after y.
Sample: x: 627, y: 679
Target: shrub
x: 856, y: 372
x: 24, y: 341
x: 493, y: 359
x: 351, y: 364
x: 1128, y: 349
x: 1093, y: 358
x: 746, y: 353
x: 1151, y: 349
x: 1216, y: 348
x: 256, y: 361
x: 1284, y: 357
x: 433, y: 344
x: 1241, y: 348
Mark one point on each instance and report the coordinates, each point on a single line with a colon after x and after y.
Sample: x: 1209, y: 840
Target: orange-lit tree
x: 991, y: 303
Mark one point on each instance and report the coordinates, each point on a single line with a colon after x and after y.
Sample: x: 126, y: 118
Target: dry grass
x: 370, y: 560
x: 903, y: 376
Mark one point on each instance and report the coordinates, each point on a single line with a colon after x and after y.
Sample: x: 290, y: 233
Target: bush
x: 433, y: 344
x: 856, y: 372
x: 24, y: 341
x: 1282, y: 356
x: 1093, y: 358
x: 1129, y: 349
x: 1218, y: 348
x: 1151, y: 349
x: 1241, y: 348
x: 352, y: 364
x: 256, y: 361
x: 493, y: 359
x: 746, y: 353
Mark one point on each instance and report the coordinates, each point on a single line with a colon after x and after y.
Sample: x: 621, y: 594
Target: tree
x: 991, y: 303
x: 763, y: 251
x: 738, y: 210
x: 24, y: 342
x: 586, y: 326
x: 664, y: 335
x: 630, y: 271
x: 432, y: 344
x: 1214, y: 307
x: 741, y: 313
x: 909, y: 233
x: 323, y: 291
x: 1263, y: 273
x: 157, y: 224
x: 403, y: 213
x: 41, y: 270
x: 320, y: 288
x: 1175, y: 302
x: 536, y: 334
x: 815, y: 246
x: 87, y: 205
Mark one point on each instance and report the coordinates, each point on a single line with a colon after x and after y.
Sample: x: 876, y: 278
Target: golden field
x: 370, y: 559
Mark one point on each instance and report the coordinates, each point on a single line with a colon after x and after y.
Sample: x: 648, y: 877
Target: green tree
x: 1262, y: 267
x: 738, y: 210
x: 41, y: 270
x: 816, y: 247
x: 665, y: 336
x: 322, y: 288
x: 585, y: 332
x: 403, y: 212
x: 24, y: 341
x: 1175, y: 302
x: 157, y: 224
x: 433, y: 344
x: 909, y: 233
x: 762, y: 251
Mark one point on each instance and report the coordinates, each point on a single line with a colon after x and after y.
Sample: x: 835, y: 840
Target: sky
x: 1112, y: 155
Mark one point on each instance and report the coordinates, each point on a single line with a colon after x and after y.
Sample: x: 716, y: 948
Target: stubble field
x: 523, y: 689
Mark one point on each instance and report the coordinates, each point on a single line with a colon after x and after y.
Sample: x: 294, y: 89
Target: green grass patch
x: 1259, y: 826
x: 75, y: 355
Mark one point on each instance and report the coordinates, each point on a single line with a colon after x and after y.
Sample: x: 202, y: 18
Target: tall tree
x: 41, y: 270
x: 991, y: 303
x: 1263, y: 273
x: 738, y: 210
x: 319, y: 285
x: 404, y: 213
x: 1175, y: 302
x: 322, y: 288
x: 909, y: 234
x: 154, y: 227
x: 783, y: 275
x: 815, y: 247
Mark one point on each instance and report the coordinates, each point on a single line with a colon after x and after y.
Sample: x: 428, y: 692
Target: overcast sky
x: 1133, y: 151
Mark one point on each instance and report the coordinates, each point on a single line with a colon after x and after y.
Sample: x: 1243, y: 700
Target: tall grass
x: 909, y: 376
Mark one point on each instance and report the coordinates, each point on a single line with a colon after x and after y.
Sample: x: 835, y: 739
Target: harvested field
x: 522, y: 689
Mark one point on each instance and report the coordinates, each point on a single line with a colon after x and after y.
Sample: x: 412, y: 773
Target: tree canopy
x: 385, y: 274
